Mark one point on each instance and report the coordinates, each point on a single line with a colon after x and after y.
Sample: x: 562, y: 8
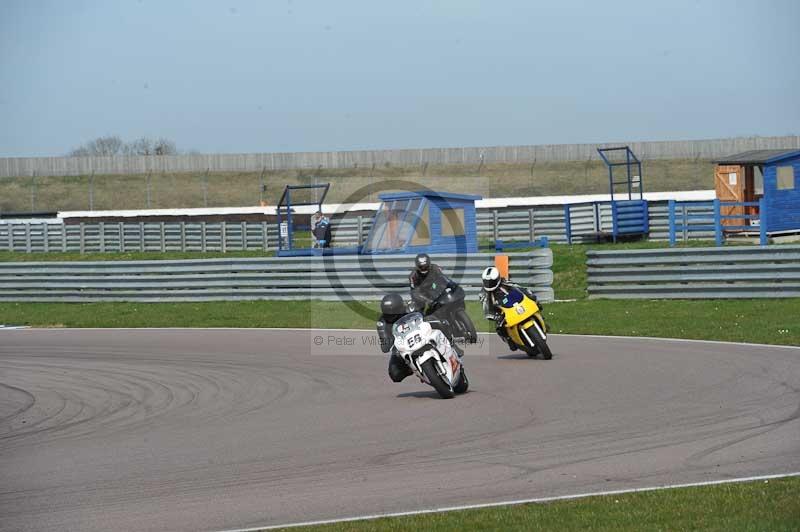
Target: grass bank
x: 230, y: 189
x: 763, y: 506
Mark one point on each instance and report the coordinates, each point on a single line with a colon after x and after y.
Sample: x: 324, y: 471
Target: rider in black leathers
x: 392, y: 309
x: 422, y: 267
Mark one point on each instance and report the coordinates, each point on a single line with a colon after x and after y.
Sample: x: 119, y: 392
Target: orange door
x: 729, y: 182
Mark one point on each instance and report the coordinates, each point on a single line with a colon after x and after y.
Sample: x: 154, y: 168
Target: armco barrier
x: 353, y: 277
x: 695, y: 273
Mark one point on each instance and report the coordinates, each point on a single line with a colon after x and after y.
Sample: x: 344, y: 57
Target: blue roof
x: 432, y: 194
x: 788, y: 155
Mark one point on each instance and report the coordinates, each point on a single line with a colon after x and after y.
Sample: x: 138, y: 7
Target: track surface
x: 215, y: 429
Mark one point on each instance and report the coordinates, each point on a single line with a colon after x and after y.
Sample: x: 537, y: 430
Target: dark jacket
x: 415, y: 279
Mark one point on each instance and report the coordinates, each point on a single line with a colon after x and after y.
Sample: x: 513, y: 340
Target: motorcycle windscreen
x: 406, y: 325
x: 513, y: 297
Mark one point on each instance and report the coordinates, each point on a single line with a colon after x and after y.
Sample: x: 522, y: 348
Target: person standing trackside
x: 320, y: 230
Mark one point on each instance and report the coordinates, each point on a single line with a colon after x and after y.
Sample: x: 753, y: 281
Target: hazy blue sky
x: 297, y: 75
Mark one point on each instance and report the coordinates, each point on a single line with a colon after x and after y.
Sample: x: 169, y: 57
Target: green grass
x: 759, y: 506
x: 762, y: 321
x: 244, y: 188
x: 757, y: 321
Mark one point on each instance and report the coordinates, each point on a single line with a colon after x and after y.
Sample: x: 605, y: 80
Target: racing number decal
x: 520, y: 309
x: 413, y: 340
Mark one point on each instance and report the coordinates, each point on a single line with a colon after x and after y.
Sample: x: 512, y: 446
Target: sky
x: 299, y: 75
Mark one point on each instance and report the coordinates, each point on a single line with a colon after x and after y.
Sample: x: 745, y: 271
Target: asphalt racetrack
x: 221, y: 429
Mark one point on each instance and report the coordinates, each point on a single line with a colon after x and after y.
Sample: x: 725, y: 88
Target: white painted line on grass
x: 514, y: 502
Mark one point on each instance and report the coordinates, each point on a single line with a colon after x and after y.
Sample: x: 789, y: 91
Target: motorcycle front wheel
x: 539, y: 343
x: 463, y: 383
x: 436, y: 380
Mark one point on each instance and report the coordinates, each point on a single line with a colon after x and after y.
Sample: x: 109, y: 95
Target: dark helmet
x: 392, y: 305
x: 422, y: 263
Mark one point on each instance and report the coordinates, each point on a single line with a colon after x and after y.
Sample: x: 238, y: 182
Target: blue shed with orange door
x: 424, y: 222
x: 768, y: 174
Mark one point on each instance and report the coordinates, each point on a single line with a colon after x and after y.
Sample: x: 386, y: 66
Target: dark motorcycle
x: 444, y: 300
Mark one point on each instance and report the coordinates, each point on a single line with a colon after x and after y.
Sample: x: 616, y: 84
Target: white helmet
x: 491, y: 278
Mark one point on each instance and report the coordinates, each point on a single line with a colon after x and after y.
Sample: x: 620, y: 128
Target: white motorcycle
x: 428, y: 353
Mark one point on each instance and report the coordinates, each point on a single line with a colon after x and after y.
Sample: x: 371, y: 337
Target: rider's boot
x: 398, y: 369
x: 501, y: 331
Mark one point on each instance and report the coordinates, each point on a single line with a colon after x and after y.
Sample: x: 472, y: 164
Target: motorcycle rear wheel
x: 436, y: 380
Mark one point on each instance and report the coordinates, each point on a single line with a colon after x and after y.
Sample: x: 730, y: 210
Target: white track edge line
x: 662, y: 339
x: 515, y: 502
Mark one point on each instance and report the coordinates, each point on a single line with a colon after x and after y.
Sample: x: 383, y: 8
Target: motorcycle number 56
x: 414, y: 340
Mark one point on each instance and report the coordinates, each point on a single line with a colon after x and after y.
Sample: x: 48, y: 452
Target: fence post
x: 163, y: 238
x: 27, y: 238
x: 717, y: 222
x: 646, y: 218
x: 203, y: 237
x: 223, y: 238
x: 567, y: 224
x: 45, y: 232
x: 141, y: 237
x: 183, y: 236
x: 102, y: 237
x: 531, y: 228
x: 264, y: 235
x: 685, y: 223
x: 615, y: 218
x: 495, y: 229
x: 360, y: 237
x: 671, y: 216
x: 244, y: 236
x: 64, y: 237
x: 82, y: 241
x: 121, y: 237
x: 762, y: 222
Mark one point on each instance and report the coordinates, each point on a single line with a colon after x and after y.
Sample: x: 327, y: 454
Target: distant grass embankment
x: 177, y: 190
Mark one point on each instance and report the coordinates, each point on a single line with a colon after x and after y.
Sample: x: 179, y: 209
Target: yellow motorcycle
x: 522, y: 319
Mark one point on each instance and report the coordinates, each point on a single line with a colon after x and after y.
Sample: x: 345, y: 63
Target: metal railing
x: 128, y: 237
x: 686, y: 217
x: 343, y: 278
x: 695, y: 273
x: 508, y: 225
